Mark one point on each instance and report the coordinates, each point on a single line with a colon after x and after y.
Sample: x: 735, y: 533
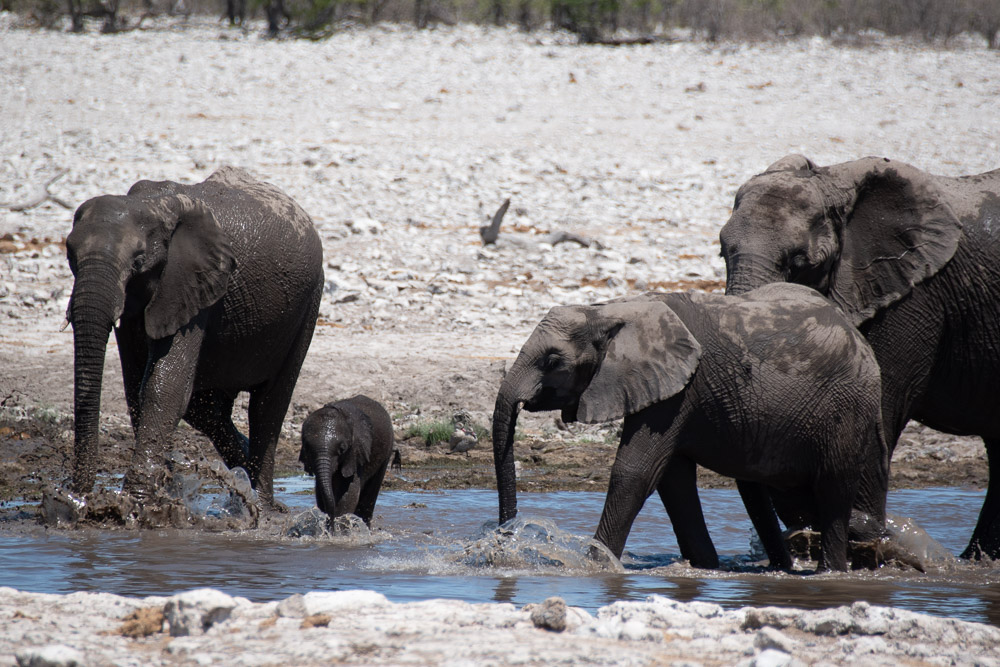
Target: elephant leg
x: 678, y: 490
x: 268, y: 406
x: 346, y: 493
x: 757, y: 500
x: 985, y: 540
x: 369, y: 494
x: 833, y: 497
x: 132, y: 350
x: 166, y: 390
x: 643, y: 454
x: 210, y: 411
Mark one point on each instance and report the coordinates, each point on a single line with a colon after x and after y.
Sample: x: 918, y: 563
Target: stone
x: 339, y: 602
x: 772, y: 658
x: 770, y: 638
x: 550, y: 615
x: 53, y: 655
x: 194, y: 612
x: 293, y: 607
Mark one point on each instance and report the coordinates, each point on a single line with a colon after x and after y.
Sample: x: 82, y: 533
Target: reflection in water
x: 420, y: 543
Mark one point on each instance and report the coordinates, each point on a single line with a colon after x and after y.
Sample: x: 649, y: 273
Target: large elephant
x: 913, y: 259
x: 775, y: 389
x: 211, y: 289
x: 347, y: 445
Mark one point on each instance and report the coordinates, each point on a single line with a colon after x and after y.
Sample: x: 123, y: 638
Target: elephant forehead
x: 782, y: 195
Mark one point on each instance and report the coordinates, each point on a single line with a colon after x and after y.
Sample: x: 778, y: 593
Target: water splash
x: 537, y: 544
x: 909, y: 536
x: 346, y: 530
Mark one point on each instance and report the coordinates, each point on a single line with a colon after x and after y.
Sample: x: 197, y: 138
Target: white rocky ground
x: 207, y: 627
x: 400, y: 144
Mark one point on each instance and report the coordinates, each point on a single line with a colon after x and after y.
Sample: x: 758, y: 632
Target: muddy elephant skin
x: 913, y: 259
x: 210, y: 289
x: 775, y: 389
x: 347, y: 445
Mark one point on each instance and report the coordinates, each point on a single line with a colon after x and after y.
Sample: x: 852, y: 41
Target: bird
x: 462, y: 440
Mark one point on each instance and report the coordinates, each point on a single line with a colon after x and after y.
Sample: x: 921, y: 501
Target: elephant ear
x: 358, y: 449
x: 650, y: 357
x: 899, y: 232
x: 199, y: 262
x: 793, y: 162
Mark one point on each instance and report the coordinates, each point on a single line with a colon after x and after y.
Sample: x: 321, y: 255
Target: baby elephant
x: 774, y: 388
x: 347, y: 445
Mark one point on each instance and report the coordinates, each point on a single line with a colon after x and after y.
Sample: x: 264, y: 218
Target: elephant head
x: 336, y: 440
x: 594, y: 363
x: 863, y: 233
x: 161, y: 258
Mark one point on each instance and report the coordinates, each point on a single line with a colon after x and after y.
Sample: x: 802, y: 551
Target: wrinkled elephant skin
x: 211, y: 289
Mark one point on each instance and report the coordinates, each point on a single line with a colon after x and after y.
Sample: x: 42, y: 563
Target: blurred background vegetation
x: 593, y: 21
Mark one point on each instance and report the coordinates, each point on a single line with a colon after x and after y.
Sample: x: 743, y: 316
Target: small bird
x: 462, y: 440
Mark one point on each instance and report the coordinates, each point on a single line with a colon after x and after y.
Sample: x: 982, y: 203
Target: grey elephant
x: 775, y: 389
x: 913, y: 259
x: 347, y: 445
x: 211, y: 289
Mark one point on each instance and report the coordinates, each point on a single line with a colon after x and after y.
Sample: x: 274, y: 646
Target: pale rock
x: 773, y: 658
x: 336, y: 602
x: 770, y: 638
x: 53, y: 655
x: 550, y: 614
x: 194, y: 612
x: 293, y: 607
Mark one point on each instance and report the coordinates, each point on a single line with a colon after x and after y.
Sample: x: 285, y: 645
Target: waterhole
x: 444, y: 545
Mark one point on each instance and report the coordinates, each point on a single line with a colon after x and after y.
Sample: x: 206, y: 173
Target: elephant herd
x: 859, y: 296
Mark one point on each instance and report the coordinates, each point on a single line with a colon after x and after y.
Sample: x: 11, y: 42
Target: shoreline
x: 206, y: 626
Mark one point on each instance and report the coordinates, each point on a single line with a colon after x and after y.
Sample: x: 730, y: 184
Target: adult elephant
x: 775, y: 389
x: 914, y: 260
x: 211, y: 289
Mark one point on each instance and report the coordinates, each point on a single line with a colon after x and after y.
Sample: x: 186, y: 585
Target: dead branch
x: 491, y: 232
x: 556, y: 238
x: 40, y: 197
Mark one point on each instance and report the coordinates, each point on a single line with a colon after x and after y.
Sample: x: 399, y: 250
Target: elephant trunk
x: 92, y: 314
x: 504, y: 422
x: 745, y: 272
x: 325, y: 498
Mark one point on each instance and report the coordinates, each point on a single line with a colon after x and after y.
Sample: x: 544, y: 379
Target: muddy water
x: 435, y: 545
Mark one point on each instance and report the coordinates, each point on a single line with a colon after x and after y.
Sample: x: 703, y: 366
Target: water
x: 428, y: 545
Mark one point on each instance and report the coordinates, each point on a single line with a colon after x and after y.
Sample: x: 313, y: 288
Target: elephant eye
x: 551, y: 361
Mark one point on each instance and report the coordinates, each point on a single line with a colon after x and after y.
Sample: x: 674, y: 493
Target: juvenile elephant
x: 773, y: 388
x: 347, y: 445
x: 913, y: 259
x: 211, y: 289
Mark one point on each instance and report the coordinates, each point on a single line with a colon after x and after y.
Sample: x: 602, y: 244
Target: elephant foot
x: 602, y: 557
x: 273, y: 506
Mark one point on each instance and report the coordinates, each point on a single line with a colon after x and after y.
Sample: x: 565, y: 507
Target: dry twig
x: 40, y: 197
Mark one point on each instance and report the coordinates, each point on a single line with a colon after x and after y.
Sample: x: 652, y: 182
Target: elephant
x: 775, y: 388
x: 912, y: 259
x: 211, y: 289
x: 348, y: 445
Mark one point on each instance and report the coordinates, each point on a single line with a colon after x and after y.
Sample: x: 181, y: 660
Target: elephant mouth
x: 552, y: 401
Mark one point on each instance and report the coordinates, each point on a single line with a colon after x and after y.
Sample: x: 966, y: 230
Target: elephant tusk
x: 64, y: 325
x: 118, y: 323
